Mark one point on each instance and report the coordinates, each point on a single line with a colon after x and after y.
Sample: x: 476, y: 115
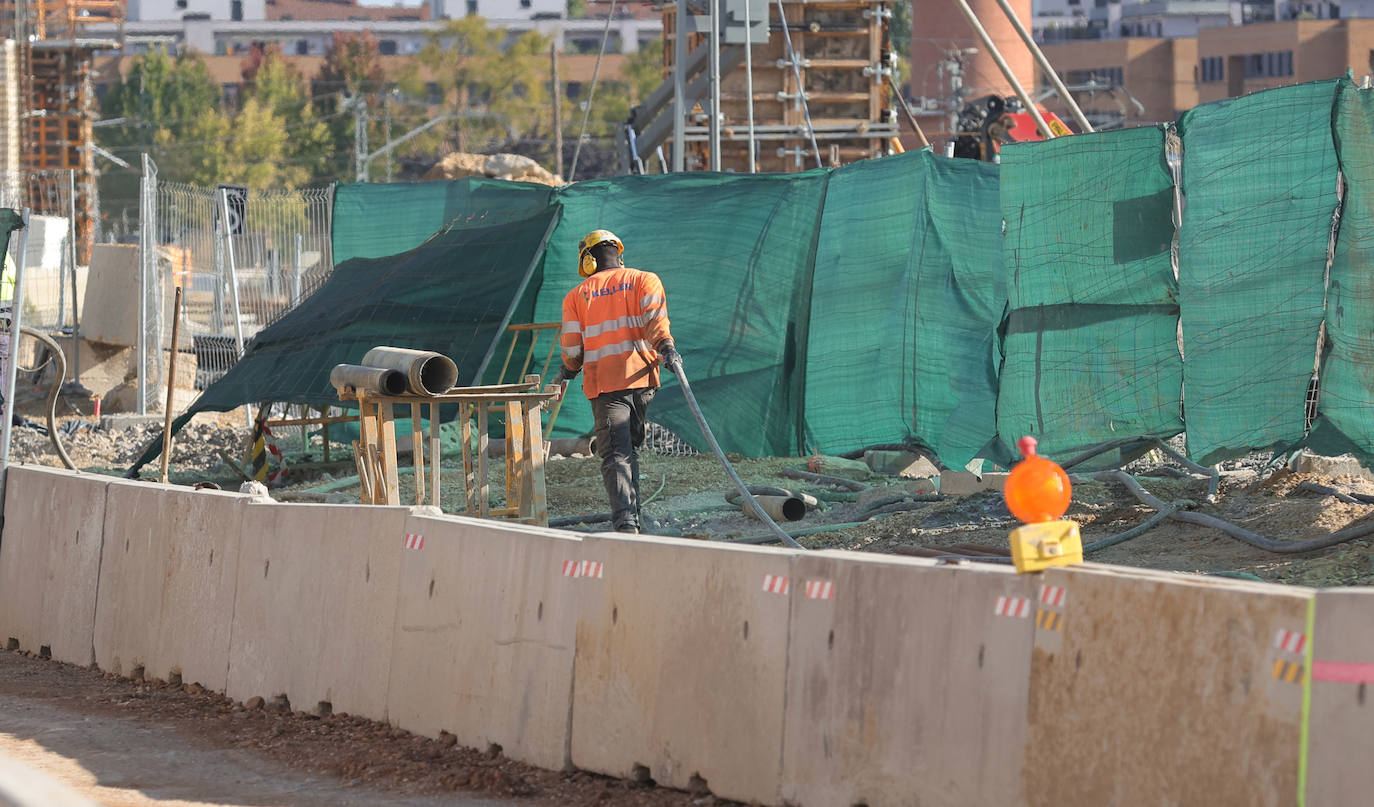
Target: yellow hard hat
x: 586, y: 264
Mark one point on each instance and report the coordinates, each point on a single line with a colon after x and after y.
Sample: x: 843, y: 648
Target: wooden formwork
x: 842, y: 49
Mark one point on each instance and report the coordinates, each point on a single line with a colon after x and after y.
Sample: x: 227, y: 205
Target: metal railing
x: 51, y: 274
x: 242, y: 259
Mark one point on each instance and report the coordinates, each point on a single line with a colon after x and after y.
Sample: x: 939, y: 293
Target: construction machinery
x: 987, y: 123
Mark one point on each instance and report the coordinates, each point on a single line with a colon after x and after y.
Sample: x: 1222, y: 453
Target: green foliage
x: 577, y: 9
x: 644, y: 70
x: 900, y: 28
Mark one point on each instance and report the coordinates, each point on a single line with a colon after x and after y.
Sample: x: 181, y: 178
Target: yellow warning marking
x: 1286, y: 671
x: 1049, y: 620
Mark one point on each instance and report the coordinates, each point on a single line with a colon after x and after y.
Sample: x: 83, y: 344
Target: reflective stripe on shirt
x: 572, y: 351
x: 572, y: 326
x: 628, y: 346
x: 649, y: 299
x: 655, y: 313
x: 599, y: 328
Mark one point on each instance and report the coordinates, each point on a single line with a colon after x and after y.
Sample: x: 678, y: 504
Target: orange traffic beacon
x: 1038, y: 493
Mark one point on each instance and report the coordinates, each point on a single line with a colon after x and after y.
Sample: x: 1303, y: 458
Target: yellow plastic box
x: 1049, y: 543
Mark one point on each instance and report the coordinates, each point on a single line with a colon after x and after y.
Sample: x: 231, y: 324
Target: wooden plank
x: 534, y: 453
x: 515, y: 460
x: 469, y: 481
x: 387, y: 452
x: 417, y: 452
x: 436, y: 488
x: 483, y: 488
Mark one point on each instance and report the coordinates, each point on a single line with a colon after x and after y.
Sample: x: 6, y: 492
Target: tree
x: 168, y: 108
x: 279, y: 90
x: 644, y: 70
x: 351, y: 74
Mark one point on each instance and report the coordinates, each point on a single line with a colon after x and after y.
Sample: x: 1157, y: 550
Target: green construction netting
x: 1347, y: 378
x: 454, y: 293
x: 1259, y: 178
x: 904, y: 307
x: 397, y: 217
x: 735, y: 255
x: 1090, y: 347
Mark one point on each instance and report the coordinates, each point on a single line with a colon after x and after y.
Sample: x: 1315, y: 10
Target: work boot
x: 630, y: 528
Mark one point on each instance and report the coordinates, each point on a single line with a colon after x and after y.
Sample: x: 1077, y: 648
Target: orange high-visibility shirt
x: 612, y: 323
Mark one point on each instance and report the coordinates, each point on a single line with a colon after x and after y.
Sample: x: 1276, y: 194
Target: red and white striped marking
x: 820, y: 590
x: 415, y: 540
x: 583, y: 568
x: 1012, y: 606
x: 775, y: 584
x: 1052, y: 595
x: 1291, y: 641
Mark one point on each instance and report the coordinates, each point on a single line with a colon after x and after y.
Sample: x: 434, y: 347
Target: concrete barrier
x: 1155, y: 688
x: 681, y: 654
x: 485, y: 629
x: 316, y: 605
x: 49, y: 559
x: 1341, y: 716
x: 167, y: 576
x: 906, y: 682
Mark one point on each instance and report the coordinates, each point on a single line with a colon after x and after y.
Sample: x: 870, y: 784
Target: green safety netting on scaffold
x: 882, y: 302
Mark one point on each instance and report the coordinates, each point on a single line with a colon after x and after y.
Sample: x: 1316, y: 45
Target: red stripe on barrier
x: 1343, y: 672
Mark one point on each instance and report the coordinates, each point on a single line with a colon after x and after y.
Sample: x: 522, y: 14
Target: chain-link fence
x: 51, y: 279
x: 241, y: 258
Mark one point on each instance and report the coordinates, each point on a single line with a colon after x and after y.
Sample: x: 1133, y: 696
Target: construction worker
x: 615, y: 331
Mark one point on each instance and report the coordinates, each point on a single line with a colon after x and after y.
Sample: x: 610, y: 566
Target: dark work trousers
x: 620, y: 418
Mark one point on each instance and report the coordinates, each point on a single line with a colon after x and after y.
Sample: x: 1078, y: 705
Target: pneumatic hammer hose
x: 758, y: 511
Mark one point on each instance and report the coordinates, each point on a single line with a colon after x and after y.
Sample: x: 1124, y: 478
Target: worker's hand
x: 669, y: 357
x: 564, y: 375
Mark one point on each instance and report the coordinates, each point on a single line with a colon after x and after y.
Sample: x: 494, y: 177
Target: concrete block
x: 856, y: 470
x: 914, y: 487
x: 485, y: 629
x: 1341, y: 718
x: 103, y: 367
x: 1157, y: 688
x: 681, y: 656
x: 905, y: 464
x: 316, y: 605
x: 1344, y: 465
x: 109, y: 311
x: 167, y: 579
x: 49, y: 560
x: 907, y: 682
x: 963, y: 483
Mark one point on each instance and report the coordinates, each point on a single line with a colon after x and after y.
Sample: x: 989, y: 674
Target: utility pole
x: 386, y: 108
x: 359, y: 105
x: 714, y: 104
x: 557, y: 113
x: 680, y: 87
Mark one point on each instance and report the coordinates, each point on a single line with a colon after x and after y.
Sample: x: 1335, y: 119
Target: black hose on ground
x: 720, y: 455
x: 1212, y: 474
x: 58, y: 377
x: 1239, y: 533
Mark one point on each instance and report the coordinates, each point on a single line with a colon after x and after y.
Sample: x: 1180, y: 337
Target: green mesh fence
x: 904, y: 307
x: 1347, y: 378
x: 374, y: 221
x: 1259, y: 176
x: 1090, y: 349
x: 882, y: 302
x: 735, y: 254
x: 453, y: 294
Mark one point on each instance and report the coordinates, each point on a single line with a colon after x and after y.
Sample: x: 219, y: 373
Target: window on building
x: 1213, y: 69
x: 526, y: 3
x: 472, y: 7
x: 302, y: 47
x: 1100, y: 75
x: 1274, y: 64
x: 387, y: 47
x: 432, y: 92
x: 230, y: 95
x: 181, y: 5
x: 236, y: 10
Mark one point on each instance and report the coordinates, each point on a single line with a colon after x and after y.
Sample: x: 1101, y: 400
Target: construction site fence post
x: 12, y: 361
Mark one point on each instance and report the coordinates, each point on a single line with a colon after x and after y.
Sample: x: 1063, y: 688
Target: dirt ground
x: 133, y: 744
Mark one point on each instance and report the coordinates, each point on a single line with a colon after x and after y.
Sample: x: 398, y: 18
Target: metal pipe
x: 778, y: 508
x: 1045, y: 66
x: 145, y: 248
x: 679, y: 85
x: 171, y: 388
x: 749, y: 86
x: 233, y: 272
x: 372, y: 380
x: 12, y: 369
x: 1005, y: 68
x: 71, y: 255
x: 426, y: 372
x: 714, y: 104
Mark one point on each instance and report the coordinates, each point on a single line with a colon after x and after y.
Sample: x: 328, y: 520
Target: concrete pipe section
x: 372, y: 380
x: 778, y: 508
x: 426, y: 372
